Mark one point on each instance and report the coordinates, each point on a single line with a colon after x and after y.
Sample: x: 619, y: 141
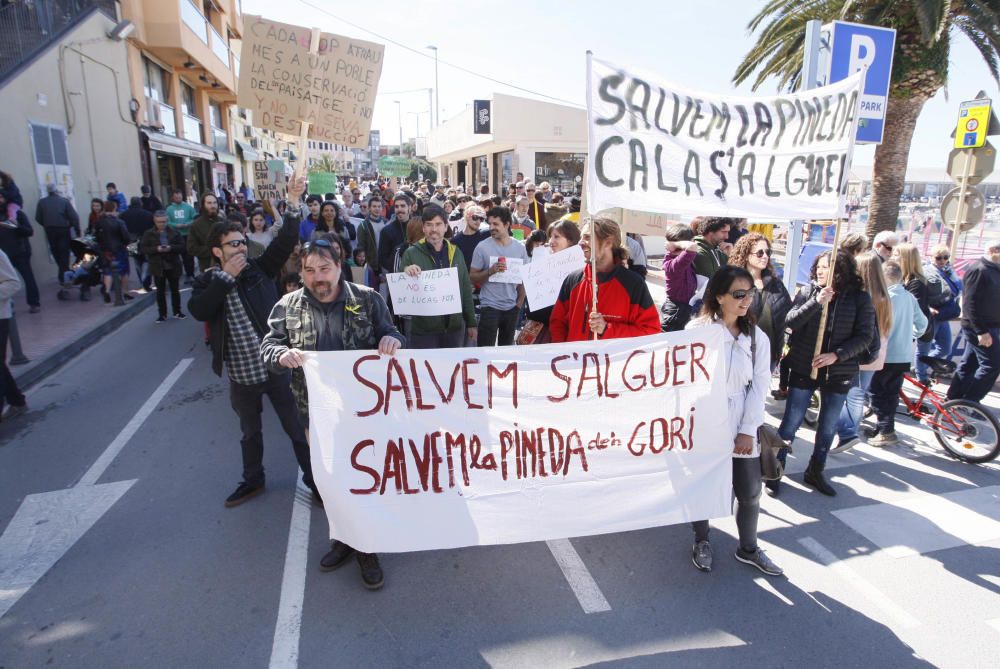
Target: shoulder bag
x: 771, y: 468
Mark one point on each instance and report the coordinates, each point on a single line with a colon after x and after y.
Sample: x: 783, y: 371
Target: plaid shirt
x: 242, y: 346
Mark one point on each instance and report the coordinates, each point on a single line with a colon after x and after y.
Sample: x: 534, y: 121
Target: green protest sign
x: 394, y: 166
x: 322, y: 182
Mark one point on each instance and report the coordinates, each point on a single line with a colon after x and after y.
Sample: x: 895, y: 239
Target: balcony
x: 195, y: 20
x: 219, y: 46
x: 192, y: 128
x: 160, y: 115
x: 220, y: 139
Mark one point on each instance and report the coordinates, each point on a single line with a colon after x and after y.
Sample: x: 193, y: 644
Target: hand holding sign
x: 425, y: 293
x: 506, y: 270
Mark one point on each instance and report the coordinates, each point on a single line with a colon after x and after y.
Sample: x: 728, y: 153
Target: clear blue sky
x: 542, y: 46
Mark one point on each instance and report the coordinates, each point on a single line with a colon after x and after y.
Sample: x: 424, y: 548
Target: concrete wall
x: 102, y: 141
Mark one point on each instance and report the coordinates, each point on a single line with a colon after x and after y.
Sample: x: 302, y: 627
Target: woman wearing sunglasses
x: 850, y: 326
x: 728, y: 298
x: 771, y: 301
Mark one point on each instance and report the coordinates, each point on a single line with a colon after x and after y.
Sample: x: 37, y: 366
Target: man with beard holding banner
x: 624, y: 305
x: 328, y: 314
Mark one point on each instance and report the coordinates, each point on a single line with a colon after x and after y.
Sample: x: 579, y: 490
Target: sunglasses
x: 942, y: 257
x: 479, y: 219
x: 235, y: 243
x: 762, y: 253
x: 322, y: 243
x: 742, y: 294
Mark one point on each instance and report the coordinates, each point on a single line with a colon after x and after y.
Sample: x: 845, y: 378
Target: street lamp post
x: 399, y: 117
x: 437, y: 98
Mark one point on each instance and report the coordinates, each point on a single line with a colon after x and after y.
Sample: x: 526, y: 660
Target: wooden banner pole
x: 300, y: 169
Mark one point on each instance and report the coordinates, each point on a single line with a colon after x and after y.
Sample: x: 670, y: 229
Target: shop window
x: 560, y: 170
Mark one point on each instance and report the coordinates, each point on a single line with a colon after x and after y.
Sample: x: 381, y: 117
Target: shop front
x: 174, y: 163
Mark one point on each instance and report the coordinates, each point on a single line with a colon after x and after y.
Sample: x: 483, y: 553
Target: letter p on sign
x: 862, y: 52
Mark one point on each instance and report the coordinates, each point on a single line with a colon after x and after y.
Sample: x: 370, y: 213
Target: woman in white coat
x: 728, y: 297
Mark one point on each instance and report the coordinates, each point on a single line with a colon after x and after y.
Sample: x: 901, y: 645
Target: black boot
x: 814, y: 476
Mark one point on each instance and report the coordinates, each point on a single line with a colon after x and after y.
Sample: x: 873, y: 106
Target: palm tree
x: 920, y: 66
x: 324, y: 163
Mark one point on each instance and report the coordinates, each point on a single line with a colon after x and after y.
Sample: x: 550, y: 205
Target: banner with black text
x: 658, y: 147
x: 445, y: 448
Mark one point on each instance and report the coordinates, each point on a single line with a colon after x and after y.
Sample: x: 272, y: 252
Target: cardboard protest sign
x: 269, y: 184
x: 545, y: 273
x: 513, y: 274
x: 433, y: 293
x: 443, y: 448
x: 284, y: 84
x: 322, y: 182
x: 657, y: 147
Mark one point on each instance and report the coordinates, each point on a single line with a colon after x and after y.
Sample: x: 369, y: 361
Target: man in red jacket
x: 624, y: 306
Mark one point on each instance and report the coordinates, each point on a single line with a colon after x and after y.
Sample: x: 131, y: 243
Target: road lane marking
x: 102, y: 463
x: 287, y: 628
x: 582, y: 583
x: 863, y: 587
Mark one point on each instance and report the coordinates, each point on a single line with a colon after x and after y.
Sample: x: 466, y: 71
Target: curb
x: 43, y: 367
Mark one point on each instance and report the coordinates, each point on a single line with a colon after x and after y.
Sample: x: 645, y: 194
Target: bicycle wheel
x: 967, y: 430
x: 812, y: 412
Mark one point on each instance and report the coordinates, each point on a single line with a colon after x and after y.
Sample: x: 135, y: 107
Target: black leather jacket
x: 256, y: 286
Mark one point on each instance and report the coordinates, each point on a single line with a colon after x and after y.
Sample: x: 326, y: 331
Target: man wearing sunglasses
x: 235, y: 296
x: 884, y: 243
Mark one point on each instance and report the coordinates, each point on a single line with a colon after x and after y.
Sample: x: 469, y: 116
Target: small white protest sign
x: 513, y: 274
x: 431, y: 293
x: 545, y: 275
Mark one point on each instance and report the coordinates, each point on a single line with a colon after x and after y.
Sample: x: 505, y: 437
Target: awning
x: 225, y: 157
x: 249, y: 153
x: 177, y: 146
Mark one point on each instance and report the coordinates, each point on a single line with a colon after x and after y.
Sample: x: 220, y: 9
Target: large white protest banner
x: 333, y: 89
x: 545, y: 274
x: 458, y: 447
x: 432, y: 293
x: 657, y: 147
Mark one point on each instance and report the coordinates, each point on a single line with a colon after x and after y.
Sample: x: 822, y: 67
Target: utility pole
x: 437, y: 98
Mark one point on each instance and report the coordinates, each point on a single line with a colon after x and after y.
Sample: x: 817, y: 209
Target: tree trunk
x: 889, y: 171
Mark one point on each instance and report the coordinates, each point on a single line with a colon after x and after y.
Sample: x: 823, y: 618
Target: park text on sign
x: 284, y: 84
x: 973, y: 123
x: 269, y: 183
x: 455, y: 447
x: 658, y: 148
x: 431, y: 293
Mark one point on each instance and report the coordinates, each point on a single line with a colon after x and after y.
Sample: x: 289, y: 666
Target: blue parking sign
x: 852, y: 46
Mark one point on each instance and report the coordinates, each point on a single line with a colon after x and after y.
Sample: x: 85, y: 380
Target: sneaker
x: 128, y: 296
x: 161, y: 319
x: 34, y: 309
x: 760, y: 560
x: 179, y: 316
x: 371, y: 571
x: 845, y: 445
x: 15, y: 410
x: 337, y: 556
x: 701, y: 555
x: 244, y: 492
x: 772, y: 488
x: 886, y: 439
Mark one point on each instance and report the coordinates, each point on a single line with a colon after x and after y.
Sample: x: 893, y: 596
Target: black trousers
x: 187, y: 260
x: 9, y: 392
x: 22, y: 263
x: 884, y: 394
x: 172, y: 281
x: 59, y: 246
x: 496, y: 328
x: 248, y: 403
x: 455, y: 339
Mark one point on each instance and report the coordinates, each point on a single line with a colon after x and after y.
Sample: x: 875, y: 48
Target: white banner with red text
x: 445, y: 448
x: 659, y: 147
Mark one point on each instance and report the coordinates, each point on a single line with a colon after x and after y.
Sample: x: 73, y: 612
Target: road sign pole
x: 960, y: 213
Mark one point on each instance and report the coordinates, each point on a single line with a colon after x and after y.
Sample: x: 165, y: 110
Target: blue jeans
x: 978, y: 370
x: 854, y: 406
x: 939, y: 347
x: 795, y: 411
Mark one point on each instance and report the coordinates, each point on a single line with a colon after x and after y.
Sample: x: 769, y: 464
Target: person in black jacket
x: 235, y: 297
x: 162, y: 246
x: 393, y: 235
x: 849, y: 327
x: 771, y: 300
x: 14, y: 242
x: 113, y: 240
x: 138, y: 220
x: 980, y: 364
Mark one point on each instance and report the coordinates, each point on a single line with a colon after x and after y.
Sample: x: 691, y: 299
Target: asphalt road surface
x: 117, y: 552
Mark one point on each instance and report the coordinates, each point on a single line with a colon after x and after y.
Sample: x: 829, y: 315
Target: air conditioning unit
x: 248, y: 131
x: 153, y: 113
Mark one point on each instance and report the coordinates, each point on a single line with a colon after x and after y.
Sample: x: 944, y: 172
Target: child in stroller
x: 86, y: 271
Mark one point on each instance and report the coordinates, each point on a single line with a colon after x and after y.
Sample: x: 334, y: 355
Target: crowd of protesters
x: 309, y: 273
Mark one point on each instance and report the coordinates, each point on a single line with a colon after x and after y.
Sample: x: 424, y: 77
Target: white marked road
x: 584, y: 586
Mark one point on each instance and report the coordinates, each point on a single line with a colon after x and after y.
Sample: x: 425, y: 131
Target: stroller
x: 86, y: 271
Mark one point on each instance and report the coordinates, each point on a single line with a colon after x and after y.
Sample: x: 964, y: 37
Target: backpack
x: 938, y: 290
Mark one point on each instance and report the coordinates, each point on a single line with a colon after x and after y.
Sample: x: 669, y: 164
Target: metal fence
x: 27, y: 27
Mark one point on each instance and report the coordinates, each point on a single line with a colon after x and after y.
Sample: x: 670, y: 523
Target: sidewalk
x: 62, y: 329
